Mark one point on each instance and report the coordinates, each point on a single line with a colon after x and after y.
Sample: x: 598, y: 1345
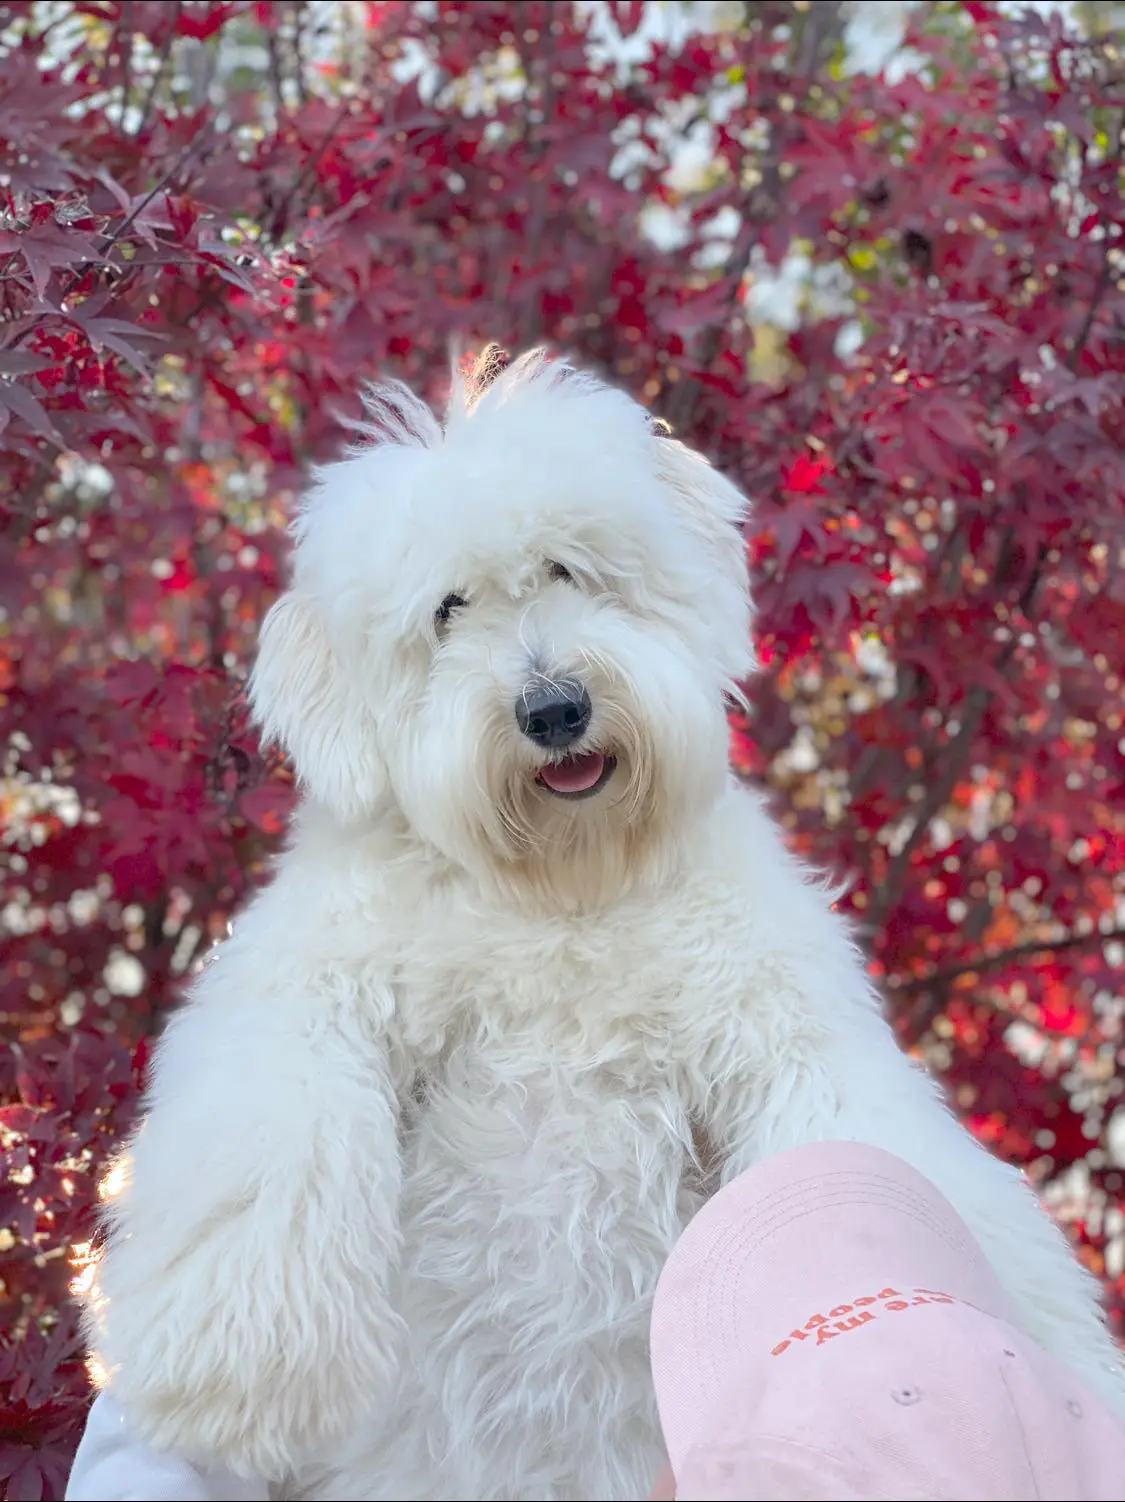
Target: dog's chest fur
x: 550, y: 1161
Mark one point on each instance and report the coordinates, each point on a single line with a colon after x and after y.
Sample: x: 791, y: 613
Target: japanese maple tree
x: 891, y: 307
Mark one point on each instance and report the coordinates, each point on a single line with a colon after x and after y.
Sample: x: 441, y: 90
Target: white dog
x: 533, y: 974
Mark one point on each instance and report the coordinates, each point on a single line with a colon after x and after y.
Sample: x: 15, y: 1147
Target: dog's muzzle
x: 556, y: 714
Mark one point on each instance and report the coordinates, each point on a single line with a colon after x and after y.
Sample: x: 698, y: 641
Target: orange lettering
x: 824, y: 1334
x: 777, y: 1350
x: 889, y: 1293
x: 816, y: 1322
x: 899, y: 1304
x: 866, y: 1299
x: 840, y: 1311
x: 855, y: 1322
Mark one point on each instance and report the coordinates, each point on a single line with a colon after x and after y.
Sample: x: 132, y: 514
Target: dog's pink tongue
x: 575, y: 774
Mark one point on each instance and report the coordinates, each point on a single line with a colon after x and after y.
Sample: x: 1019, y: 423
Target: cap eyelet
x: 1073, y: 1408
x: 907, y: 1395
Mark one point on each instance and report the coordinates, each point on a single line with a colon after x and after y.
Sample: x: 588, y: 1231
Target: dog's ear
x: 715, y: 510
x: 714, y: 504
x: 304, y: 700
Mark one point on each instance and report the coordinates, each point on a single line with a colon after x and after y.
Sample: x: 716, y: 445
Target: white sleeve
x: 111, y: 1466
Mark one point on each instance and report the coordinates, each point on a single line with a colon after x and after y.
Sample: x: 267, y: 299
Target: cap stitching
x: 859, y: 1187
x: 735, y: 1235
x: 1002, y: 1368
x: 827, y: 1460
x: 755, y: 1234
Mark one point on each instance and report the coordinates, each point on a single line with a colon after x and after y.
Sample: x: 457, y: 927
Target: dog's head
x: 520, y: 626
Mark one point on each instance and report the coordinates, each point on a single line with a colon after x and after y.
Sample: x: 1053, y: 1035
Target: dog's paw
x: 241, y: 1307
x: 253, y: 1344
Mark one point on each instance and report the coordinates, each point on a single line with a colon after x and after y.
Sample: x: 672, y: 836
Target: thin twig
x: 158, y: 76
x: 821, y: 24
x: 279, y: 216
x: 954, y: 755
x: 941, y: 979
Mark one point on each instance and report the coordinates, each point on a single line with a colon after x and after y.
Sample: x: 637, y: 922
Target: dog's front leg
x: 241, y: 1310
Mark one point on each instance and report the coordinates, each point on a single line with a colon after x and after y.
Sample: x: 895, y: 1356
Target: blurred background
x: 869, y: 257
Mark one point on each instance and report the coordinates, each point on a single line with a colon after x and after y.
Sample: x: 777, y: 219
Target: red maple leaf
x: 804, y: 475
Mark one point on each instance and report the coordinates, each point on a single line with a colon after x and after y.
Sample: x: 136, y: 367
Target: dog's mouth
x: 577, y: 776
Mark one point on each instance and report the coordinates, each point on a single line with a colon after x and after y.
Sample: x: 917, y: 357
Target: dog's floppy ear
x: 303, y: 700
x: 715, y: 510
x: 715, y: 506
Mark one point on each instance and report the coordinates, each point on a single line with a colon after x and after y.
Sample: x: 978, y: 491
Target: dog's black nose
x: 554, y: 714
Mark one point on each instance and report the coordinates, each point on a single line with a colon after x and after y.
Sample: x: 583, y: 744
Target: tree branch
x: 954, y: 755
x: 1105, y: 275
x: 161, y: 68
x: 1001, y: 957
x: 821, y: 25
x: 932, y: 991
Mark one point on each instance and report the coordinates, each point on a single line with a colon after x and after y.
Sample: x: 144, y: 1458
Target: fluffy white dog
x: 533, y: 974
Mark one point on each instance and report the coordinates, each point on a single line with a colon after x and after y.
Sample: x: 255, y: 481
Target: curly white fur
x: 417, y: 1147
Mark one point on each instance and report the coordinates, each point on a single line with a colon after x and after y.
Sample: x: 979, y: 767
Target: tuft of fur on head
x: 545, y: 530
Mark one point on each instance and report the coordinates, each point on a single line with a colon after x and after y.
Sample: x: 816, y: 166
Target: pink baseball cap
x: 826, y: 1327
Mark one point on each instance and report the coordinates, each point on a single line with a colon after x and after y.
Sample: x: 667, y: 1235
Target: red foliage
x: 216, y: 221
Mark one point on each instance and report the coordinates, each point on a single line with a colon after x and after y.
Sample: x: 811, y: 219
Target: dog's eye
x: 449, y: 605
x: 557, y: 571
